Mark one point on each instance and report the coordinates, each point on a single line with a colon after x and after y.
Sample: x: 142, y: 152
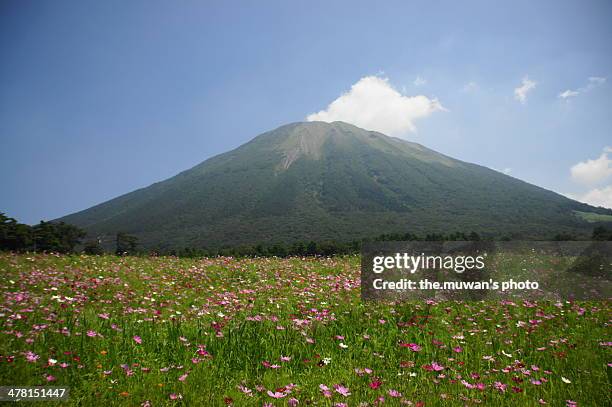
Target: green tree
x: 602, y: 233
x: 14, y: 236
x: 93, y: 246
x: 126, y: 244
x: 57, y: 237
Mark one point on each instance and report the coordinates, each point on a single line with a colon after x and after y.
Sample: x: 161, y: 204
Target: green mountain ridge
x: 330, y: 181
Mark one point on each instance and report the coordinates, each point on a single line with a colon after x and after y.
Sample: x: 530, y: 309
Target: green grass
x: 244, y: 312
x: 593, y: 217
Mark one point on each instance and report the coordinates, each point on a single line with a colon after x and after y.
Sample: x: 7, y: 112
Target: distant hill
x: 324, y: 181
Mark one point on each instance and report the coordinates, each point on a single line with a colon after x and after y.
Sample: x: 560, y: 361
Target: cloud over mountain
x: 372, y: 103
x: 594, y: 171
x: 596, y: 197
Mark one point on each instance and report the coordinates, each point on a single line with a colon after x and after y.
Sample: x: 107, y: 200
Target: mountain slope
x: 322, y: 181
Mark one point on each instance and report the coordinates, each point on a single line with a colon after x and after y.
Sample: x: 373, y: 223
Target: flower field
x: 284, y: 332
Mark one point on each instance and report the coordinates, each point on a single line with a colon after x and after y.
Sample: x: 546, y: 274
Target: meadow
x: 151, y: 331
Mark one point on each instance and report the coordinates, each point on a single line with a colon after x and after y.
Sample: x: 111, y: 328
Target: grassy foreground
x: 167, y: 331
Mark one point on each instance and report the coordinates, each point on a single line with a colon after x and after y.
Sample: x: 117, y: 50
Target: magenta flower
x: 412, y: 346
x: 433, y: 367
x: 137, y: 339
x: 375, y: 384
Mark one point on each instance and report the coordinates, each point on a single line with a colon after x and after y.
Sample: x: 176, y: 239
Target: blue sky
x: 100, y: 98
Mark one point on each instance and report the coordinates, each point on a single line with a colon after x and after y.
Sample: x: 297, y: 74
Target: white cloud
x: 591, y: 172
x: 520, y: 93
x: 593, y: 82
x: 568, y: 94
x: 419, y: 81
x: 596, y: 197
x: 372, y: 103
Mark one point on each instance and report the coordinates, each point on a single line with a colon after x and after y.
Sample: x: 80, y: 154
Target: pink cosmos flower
x: 361, y: 372
x: 91, y: 333
x: 137, y: 339
x: 394, y: 393
x: 458, y: 349
x: 292, y: 402
x: 183, y: 377
x: 500, y: 387
x: 276, y: 394
x: 50, y: 378
x: 340, y: 389
x: 174, y: 396
x: 412, y: 346
x: 31, y: 357
x: 467, y: 384
x: 325, y: 390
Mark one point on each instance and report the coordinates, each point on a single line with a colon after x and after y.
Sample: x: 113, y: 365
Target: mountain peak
x: 309, y: 139
x: 319, y: 181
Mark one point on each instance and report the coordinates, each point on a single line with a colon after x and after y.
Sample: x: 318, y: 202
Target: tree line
x: 60, y: 237
x: 56, y: 237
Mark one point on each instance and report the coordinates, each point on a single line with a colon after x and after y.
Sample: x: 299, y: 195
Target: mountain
x: 320, y: 181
